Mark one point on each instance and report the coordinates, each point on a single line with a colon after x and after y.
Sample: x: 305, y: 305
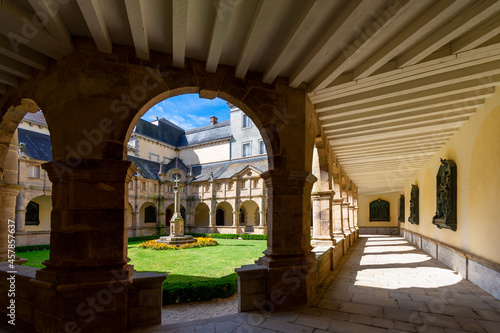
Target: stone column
x: 284, y: 274
x: 345, y: 224
x: 8, y: 195
x: 322, y: 219
x: 263, y: 214
x: 351, y: 218
x: 338, y: 230
x: 20, y: 212
x: 84, y: 285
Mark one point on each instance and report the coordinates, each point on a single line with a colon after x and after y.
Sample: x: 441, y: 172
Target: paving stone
x: 348, y: 327
x: 335, y: 315
x: 402, y: 315
x: 374, y: 300
x: 488, y: 314
x: 370, y: 310
x: 313, y: 321
x: 490, y: 326
x: 470, y: 325
x: 329, y: 304
x: 411, y: 305
x: 382, y: 322
x: 435, y: 319
x: 403, y: 326
x: 286, y: 327
x: 360, y: 319
x: 290, y: 316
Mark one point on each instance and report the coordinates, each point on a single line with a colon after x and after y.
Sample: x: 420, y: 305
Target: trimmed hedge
x: 200, y: 290
x: 145, y: 238
x: 253, y: 237
x: 27, y: 248
x: 224, y: 236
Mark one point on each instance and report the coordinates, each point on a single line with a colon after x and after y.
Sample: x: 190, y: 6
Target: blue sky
x: 189, y: 111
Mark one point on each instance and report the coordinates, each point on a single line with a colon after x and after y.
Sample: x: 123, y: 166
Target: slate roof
x: 165, y: 131
x: 175, y: 136
x: 228, y: 169
x: 149, y: 169
x: 36, y: 117
x: 221, y: 170
x: 38, y: 145
x: 176, y: 163
x: 207, y: 133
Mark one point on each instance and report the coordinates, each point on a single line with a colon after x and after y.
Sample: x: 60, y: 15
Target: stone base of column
x: 82, y: 307
x: 323, y: 241
x: 273, y: 289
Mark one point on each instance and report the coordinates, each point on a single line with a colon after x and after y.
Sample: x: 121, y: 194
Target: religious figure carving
x: 413, y: 218
x: 446, y: 196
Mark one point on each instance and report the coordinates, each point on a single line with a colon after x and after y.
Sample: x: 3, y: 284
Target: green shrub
x: 196, y: 234
x: 32, y: 248
x: 144, y: 238
x: 224, y: 236
x: 253, y: 237
x: 200, y: 290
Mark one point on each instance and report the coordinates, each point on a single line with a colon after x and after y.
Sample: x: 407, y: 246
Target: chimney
x: 213, y: 120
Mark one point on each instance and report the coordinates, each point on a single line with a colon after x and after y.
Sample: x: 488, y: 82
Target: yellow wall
x: 364, y: 209
x: 206, y: 154
x: 45, y: 207
x: 475, y: 149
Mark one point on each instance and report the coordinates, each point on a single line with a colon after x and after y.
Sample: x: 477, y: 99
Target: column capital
x: 325, y: 193
x: 291, y: 179
x: 94, y: 169
x: 337, y: 201
x: 9, y: 189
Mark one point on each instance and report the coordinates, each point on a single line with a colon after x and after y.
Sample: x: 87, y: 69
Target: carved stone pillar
x: 287, y: 266
x: 351, y: 218
x: 8, y: 194
x: 338, y: 230
x: 84, y: 285
x: 322, y: 218
x: 20, y: 212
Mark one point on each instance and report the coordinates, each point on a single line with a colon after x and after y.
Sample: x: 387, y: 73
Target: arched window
x: 242, y: 216
x: 150, y: 214
x: 183, y: 213
x: 32, y: 214
x: 219, y: 217
x: 168, y: 216
x: 380, y: 210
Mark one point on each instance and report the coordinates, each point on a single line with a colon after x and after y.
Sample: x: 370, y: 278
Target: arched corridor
x: 383, y: 284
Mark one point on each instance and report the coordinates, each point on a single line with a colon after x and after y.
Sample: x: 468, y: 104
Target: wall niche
x: 413, y: 218
x: 446, y: 196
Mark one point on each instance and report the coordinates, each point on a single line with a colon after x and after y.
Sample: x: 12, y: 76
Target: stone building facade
x: 222, y: 189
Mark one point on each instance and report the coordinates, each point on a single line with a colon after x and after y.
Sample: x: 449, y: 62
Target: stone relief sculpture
x: 401, y: 217
x: 446, y: 196
x: 413, y: 218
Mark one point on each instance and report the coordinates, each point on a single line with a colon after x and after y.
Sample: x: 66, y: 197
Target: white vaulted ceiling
x: 390, y: 80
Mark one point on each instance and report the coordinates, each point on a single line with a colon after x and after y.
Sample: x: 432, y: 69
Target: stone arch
x: 8, y: 126
x: 171, y: 210
x: 252, y: 213
x: 202, y: 215
x: 228, y: 212
x: 44, y: 203
x: 145, y: 211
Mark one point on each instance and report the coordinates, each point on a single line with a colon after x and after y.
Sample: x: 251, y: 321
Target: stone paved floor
x: 384, y: 284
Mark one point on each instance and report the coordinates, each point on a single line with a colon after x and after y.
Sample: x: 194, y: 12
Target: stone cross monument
x: 177, y: 236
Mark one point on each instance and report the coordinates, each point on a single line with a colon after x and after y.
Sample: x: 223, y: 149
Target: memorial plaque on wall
x: 446, y: 196
x: 413, y: 218
x: 380, y: 210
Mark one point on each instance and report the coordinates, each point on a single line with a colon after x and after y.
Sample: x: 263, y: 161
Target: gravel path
x: 217, y: 307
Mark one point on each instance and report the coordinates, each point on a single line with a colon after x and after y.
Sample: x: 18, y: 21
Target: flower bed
x: 200, y: 242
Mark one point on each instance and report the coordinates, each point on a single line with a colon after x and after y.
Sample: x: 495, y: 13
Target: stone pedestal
x: 322, y: 219
x: 286, y: 270
x: 84, y: 285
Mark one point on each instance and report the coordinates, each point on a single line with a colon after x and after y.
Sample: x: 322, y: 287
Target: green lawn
x: 186, y: 265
